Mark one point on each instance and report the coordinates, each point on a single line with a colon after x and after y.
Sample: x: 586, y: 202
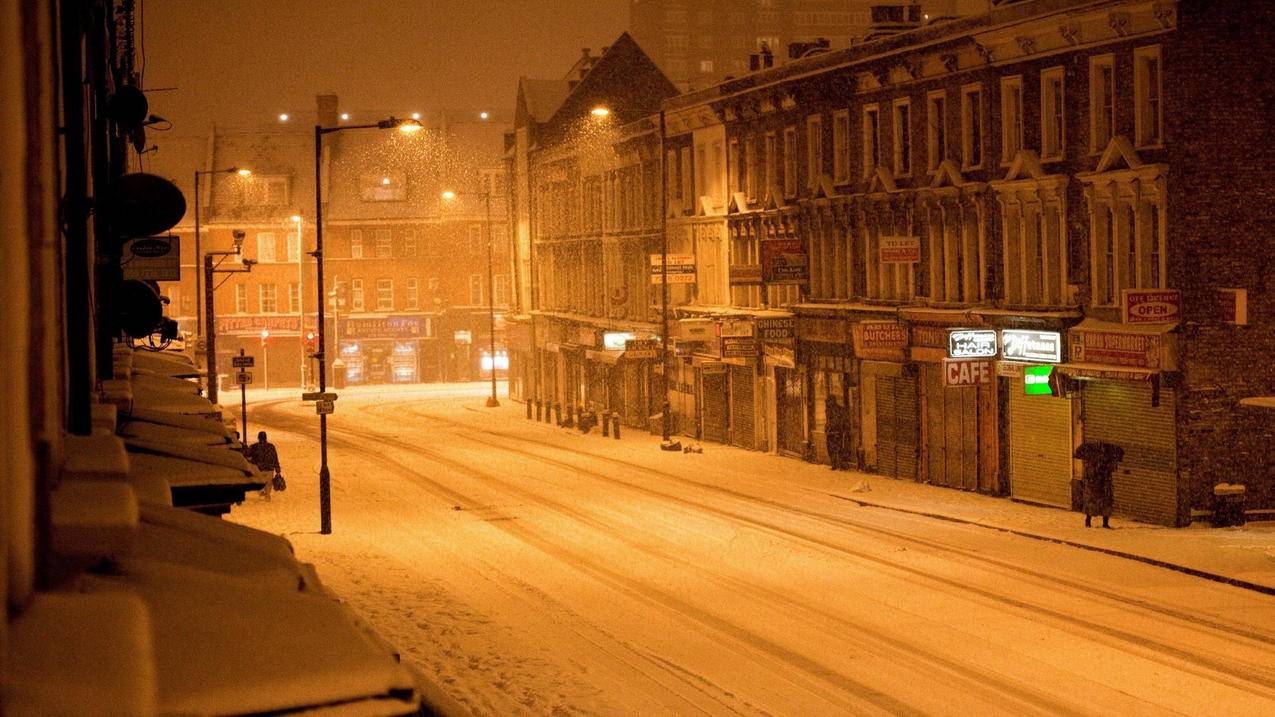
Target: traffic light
x: 311, y: 342
x: 265, y: 337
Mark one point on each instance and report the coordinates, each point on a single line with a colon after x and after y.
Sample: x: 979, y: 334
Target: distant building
x: 697, y: 44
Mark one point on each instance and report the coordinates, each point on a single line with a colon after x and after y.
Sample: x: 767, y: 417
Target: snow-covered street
x: 529, y: 569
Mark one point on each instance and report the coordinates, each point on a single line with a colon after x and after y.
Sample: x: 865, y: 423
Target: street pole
x: 491, y: 303
x: 199, y: 322
x: 265, y: 365
x: 243, y: 407
x: 301, y: 299
x: 210, y: 338
x: 664, y: 291
x: 325, y: 477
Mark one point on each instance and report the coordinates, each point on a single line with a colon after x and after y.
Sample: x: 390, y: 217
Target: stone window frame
x: 266, y: 240
x: 357, y: 299
x: 841, y: 146
x: 933, y: 152
x: 384, y: 294
x: 1049, y: 112
x: 268, y: 298
x: 1143, y: 140
x: 1011, y: 136
x: 1097, y: 63
x: 814, y: 149
x: 790, y: 161
x: 1126, y: 206
x: 774, y: 172
x: 871, y: 138
x: 902, y: 149
x: 969, y: 133
x: 241, y: 298
x: 356, y: 243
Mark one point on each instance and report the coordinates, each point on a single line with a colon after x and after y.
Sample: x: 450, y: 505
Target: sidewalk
x: 1244, y: 556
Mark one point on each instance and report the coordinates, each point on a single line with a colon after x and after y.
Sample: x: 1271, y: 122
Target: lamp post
x: 301, y: 334
x: 325, y: 477
x: 449, y: 195
x: 601, y: 112
x: 210, y: 343
x: 199, y: 324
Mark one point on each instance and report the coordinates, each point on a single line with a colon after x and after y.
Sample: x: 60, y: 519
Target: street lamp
x: 297, y: 220
x: 210, y: 342
x: 199, y: 324
x: 450, y: 195
x: 408, y: 126
x: 602, y: 112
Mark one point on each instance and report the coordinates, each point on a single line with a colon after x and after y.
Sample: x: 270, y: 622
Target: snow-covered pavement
x: 532, y: 570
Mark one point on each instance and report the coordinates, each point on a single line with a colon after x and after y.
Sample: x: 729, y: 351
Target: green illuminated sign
x: 1036, y: 380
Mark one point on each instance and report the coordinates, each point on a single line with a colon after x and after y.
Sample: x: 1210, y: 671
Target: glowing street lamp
x: 406, y: 126
x: 450, y: 195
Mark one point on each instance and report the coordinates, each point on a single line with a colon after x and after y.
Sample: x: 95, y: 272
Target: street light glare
x: 416, y: 115
x: 243, y: 172
x: 283, y: 117
x: 296, y: 218
x: 385, y: 181
x: 345, y: 116
x: 410, y: 126
x: 449, y: 195
x: 482, y: 115
x: 600, y: 111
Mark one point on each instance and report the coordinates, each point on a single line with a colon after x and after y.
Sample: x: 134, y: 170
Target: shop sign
x: 1116, y: 348
x: 929, y: 336
x: 1034, y: 346
x: 780, y: 355
x: 877, y: 335
x: 971, y: 343
x: 586, y: 336
x: 463, y: 336
x: 710, y: 368
x: 826, y: 330
x: 1036, y: 380
x: 737, y: 327
x: 152, y: 259
x: 966, y: 372
x: 783, y: 261
x: 616, y: 340
x: 739, y: 347
x: 745, y: 274
x: 899, y: 250
x: 387, y: 327
x: 779, y: 329
x: 1009, y: 369
x: 680, y: 268
x: 696, y: 330
x: 1151, y: 306
x: 256, y: 324
x: 1233, y: 306
x: 641, y: 348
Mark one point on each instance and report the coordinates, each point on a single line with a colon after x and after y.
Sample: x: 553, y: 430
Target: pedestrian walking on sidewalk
x: 265, y: 457
x: 835, y: 420
x: 1100, y: 461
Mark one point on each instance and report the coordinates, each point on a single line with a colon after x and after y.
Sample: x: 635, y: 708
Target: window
x: 706, y: 66
x: 736, y: 156
x: 384, y: 294
x: 294, y: 298
x: 356, y: 243
x: 500, y: 289
x: 770, y: 160
x: 356, y: 295
x: 1102, y: 102
x: 790, y: 161
x: 750, y: 167
x: 265, y: 247
x: 241, y: 299
x: 433, y: 284
x: 972, y: 127
x: 476, y: 237
x: 936, y: 129
x: 674, y: 175
x: 871, y: 139
x: 841, y: 146
x: 384, y: 247
x: 1034, y: 234
x: 268, y: 294
x: 902, y: 138
x: 411, y: 294
x: 262, y: 191
x: 1147, y: 93
x: 409, y: 243
x: 1051, y: 114
x: 814, y: 148
x: 1011, y: 117
x: 294, y: 248
x: 476, y: 289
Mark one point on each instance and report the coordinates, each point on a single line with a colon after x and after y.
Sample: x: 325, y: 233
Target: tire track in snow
x: 1218, y: 668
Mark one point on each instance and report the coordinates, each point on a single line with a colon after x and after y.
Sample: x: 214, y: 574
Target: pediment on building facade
x: 882, y: 180
x: 822, y: 188
x: 947, y: 174
x: 774, y: 198
x: 1026, y: 165
x: 738, y: 203
x: 708, y: 207
x: 1119, y: 155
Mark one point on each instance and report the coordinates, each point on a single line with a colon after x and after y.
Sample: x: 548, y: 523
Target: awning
x: 1103, y: 371
x: 607, y: 357
x: 1258, y: 402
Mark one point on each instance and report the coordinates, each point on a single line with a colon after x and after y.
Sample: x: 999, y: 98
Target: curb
x: 1194, y: 572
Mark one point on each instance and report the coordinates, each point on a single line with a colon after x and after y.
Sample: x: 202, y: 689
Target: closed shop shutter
x: 790, y: 407
x: 1120, y: 412
x: 951, y: 431
x: 716, y: 410
x: 897, y: 424
x: 741, y: 407
x: 1040, y: 448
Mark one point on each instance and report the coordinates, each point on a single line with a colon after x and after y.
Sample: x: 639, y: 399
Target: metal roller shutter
x: 1145, y: 482
x: 716, y: 411
x: 741, y: 407
x: 897, y: 423
x: 789, y: 411
x: 1040, y: 465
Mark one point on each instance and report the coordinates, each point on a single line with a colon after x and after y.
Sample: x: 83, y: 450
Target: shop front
x: 824, y: 355
x: 1125, y: 374
x: 382, y: 349
x: 888, y: 398
x: 1041, y: 417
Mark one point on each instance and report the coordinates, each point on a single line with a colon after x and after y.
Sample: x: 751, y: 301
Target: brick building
x: 406, y: 270
x: 1055, y: 195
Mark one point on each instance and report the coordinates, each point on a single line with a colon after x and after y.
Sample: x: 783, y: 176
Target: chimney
x: 327, y: 110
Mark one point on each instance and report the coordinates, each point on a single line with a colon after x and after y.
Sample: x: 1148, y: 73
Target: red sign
x: 255, y: 324
x: 899, y: 250
x: 959, y: 372
x: 745, y: 274
x: 1116, y: 348
x: 783, y: 261
x: 881, y: 335
x: 1233, y: 306
x: 1151, y: 306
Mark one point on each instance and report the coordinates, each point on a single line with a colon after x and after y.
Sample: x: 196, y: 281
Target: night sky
x: 241, y: 62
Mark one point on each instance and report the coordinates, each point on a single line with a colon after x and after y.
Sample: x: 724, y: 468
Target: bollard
x: 537, y: 402
x: 616, y: 429
x: 529, y: 409
x: 606, y: 425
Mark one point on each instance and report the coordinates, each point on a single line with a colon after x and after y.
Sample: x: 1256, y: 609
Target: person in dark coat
x: 264, y: 456
x: 1100, y: 461
x: 835, y: 420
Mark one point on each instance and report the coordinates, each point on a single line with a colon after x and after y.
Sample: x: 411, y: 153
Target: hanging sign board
x: 323, y: 408
x: 971, y: 343
x: 616, y: 340
x: 966, y: 372
x: 641, y: 348
x: 241, y: 361
x: 1033, y: 346
x: 152, y: 259
x: 783, y: 261
x: 1151, y: 306
x: 1036, y: 380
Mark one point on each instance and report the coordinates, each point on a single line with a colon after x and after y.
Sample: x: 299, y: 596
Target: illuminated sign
x: 1034, y: 346
x: 1036, y: 380
x: 614, y: 340
x: 971, y: 343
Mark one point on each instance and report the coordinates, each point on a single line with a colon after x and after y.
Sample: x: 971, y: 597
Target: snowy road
x: 532, y: 570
